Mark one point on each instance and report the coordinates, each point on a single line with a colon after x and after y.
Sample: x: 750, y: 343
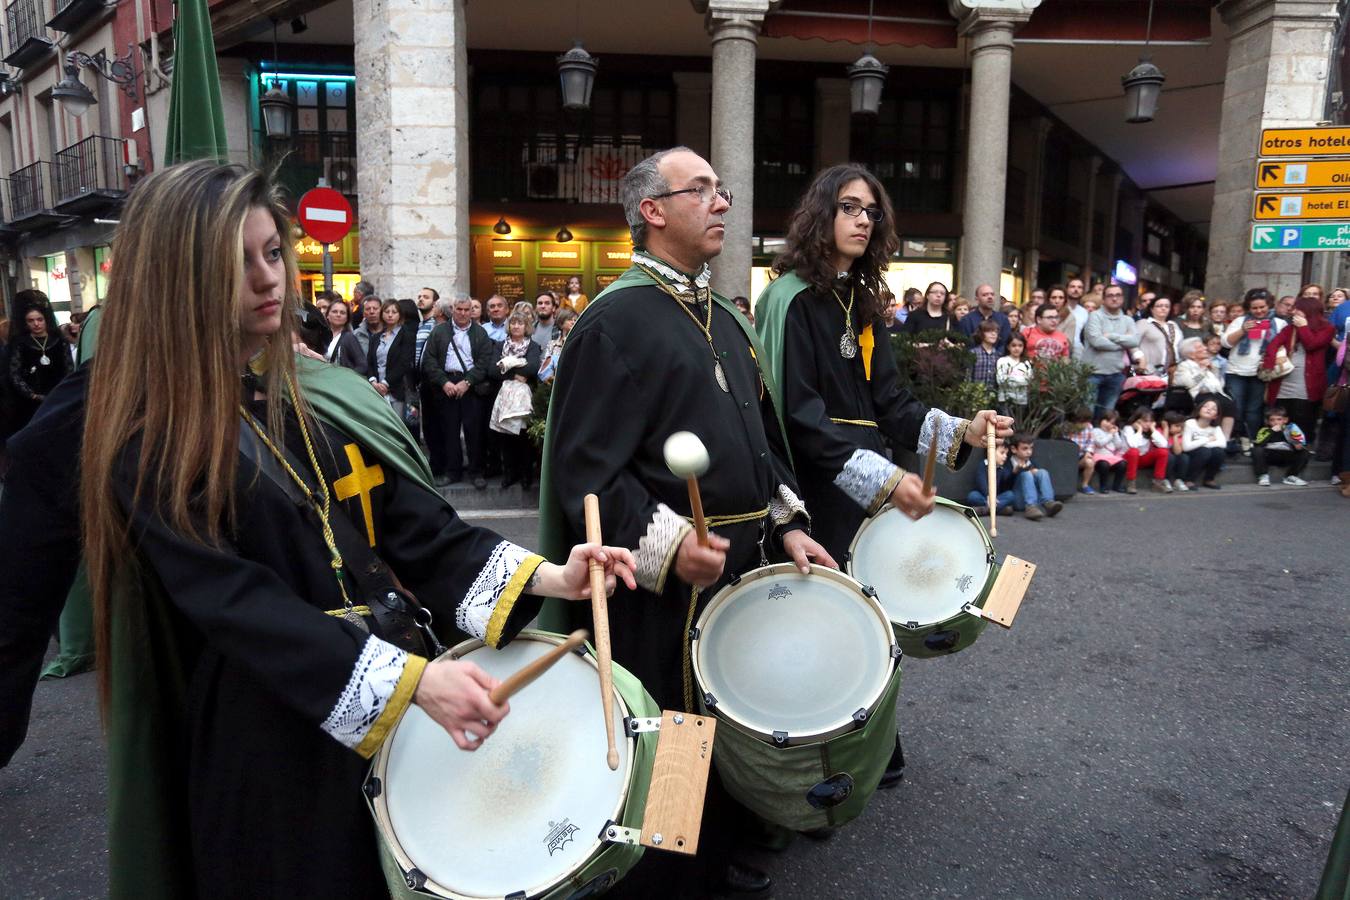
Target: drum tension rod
x: 614, y: 833
x: 372, y: 787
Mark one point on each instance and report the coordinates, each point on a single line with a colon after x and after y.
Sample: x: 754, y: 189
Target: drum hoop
x: 991, y: 566
x: 794, y: 738
x: 379, y: 806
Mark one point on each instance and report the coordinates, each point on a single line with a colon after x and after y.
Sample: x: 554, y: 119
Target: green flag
x: 196, y: 119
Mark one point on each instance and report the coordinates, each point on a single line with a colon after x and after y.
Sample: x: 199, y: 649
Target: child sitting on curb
x: 1108, y: 451
x: 1078, y: 428
x: 1282, y: 443
x: 978, y: 498
x: 1033, y: 492
x: 1148, y: 447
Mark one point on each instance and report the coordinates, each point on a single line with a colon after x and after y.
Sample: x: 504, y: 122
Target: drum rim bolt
x: 657, y: 839
x: 678, y: 720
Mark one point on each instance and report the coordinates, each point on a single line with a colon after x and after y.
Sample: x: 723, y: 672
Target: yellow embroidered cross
x: 360, y: 482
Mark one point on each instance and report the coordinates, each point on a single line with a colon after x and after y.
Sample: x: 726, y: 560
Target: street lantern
x: 866, y: 78
x: 1143, y: 83
x: 576, y: 69
x: 71, y: 93
x: 276, y: 110
x: 1142, y: 86
x: 502, y: 226
x: 563, y: 235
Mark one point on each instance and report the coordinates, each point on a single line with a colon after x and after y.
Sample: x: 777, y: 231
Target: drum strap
x: 865, y: 423
x: 686, y: 660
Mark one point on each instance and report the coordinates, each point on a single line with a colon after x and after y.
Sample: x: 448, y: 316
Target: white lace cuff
x: 377, y: 693
x: 484, y: 610
x: 868, y: 479
x: 950, y: 433
x: 786, y: 506
x: 655, y: 553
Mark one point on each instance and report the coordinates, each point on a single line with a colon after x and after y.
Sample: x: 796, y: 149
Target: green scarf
x: 554, y: 543
x: 150, y: 856
x: 771, y: 317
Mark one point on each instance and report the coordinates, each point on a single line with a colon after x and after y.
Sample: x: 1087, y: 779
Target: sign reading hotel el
x: 1334, y: 205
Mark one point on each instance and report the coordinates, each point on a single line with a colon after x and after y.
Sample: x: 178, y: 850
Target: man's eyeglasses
x: 852, y: 210
x: 705, y: 193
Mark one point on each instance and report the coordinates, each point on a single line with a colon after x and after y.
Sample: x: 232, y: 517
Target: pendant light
x: 1143, y: 83
x: 867, y: 77
x: 576, y: 71
x: 276, y: 104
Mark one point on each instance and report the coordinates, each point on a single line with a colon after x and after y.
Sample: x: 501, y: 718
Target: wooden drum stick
x: 532, y: 670
x: 696, y: 507
x: 930, y: 468
x: 600, y: 613
x: 992, y: 435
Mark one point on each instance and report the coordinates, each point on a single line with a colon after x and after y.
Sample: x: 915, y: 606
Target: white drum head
x: 783, y: 651
x: 923, y: 571
x: 525, y: 809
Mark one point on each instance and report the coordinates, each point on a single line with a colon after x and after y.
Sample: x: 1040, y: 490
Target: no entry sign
x: 325, y: 215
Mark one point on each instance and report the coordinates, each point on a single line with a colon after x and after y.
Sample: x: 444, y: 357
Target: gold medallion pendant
x: 721, y: 377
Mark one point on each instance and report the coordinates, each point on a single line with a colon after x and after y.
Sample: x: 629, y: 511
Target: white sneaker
x: 1294, y: 480
x: 1264, y: 481
x: 1245, y: 444
x: 1180, y: 485
x: 1335, y: 480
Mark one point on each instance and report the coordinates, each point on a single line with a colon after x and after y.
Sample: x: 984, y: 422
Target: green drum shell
x: 773, y: 781
x: 964, y: 628
x: 604, y: 868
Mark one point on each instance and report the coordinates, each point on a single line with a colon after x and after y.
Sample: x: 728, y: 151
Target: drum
x: 927, y: 574
x: 802, y: 673
x: 526, y: 814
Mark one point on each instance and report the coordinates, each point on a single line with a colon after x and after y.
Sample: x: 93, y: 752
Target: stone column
x: 693, y: 110
x: 989, y: 30
x: 413, y: 157
x: 1089, y: 212
x: 834, y: 120
x: 1113, y: 220
x: 734, y: 26
x: 1278, y: 56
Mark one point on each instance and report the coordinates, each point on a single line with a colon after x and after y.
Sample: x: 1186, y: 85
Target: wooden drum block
x: 1009, y: 588
x: 679, y: 783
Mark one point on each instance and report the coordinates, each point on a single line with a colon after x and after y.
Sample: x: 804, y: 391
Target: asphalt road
x: 1167, y: 718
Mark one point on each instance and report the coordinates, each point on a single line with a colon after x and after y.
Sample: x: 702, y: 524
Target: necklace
x: 43, y: 360
x: 322, y: 509
x: 848, y: 341
x: 704, y: 326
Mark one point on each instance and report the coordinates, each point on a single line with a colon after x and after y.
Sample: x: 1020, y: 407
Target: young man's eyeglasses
x: 852, y: 210
x: 705, y: 193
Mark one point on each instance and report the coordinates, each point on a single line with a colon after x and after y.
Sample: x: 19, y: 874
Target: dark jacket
x: 530, y: 370
x: 398, y: 362
x: 438, y: 345
x: 1004, y: 478
x: 348, y: 353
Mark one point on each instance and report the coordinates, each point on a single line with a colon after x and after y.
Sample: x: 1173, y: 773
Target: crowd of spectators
x: 1196, y: 381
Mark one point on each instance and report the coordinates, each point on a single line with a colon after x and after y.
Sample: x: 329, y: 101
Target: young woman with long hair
x: 824, y: 332
x: 244, y: 512
x: 342, y: 348
x: 38, y: 359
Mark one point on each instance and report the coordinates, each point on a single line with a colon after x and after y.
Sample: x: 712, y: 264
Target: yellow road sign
x: 1333, y: 205
x: 1312, y: 174
x: 1333, y: 141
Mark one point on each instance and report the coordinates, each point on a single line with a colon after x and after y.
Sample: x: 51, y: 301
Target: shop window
x: 909, y: 146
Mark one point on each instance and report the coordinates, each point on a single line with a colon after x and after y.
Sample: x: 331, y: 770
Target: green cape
x: 771, y: 317
x: 152, y: 655
x: 554, y: 543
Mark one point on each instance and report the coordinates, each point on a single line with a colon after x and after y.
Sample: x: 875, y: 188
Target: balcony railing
x: 26, y: 37
x: 555, y: 167
x: 311, y: 155
x: 30, y: 191
x: 90, y: 171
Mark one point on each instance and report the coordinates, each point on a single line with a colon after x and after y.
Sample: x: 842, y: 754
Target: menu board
x: 555, y: 283
x: 510, y: 285
x: 604, y: 281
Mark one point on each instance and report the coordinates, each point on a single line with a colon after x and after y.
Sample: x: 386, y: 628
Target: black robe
x: 637, y: 369
x: 836, y: 416
x: 281, y: 694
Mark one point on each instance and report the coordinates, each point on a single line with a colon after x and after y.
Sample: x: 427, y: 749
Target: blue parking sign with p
x: 1289, y: 237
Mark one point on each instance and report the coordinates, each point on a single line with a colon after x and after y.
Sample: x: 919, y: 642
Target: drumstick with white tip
x: 687, y: 458
x: 527, y: 673
x: 930, y: 469
x: 992, y: 436
x: 600, y: 613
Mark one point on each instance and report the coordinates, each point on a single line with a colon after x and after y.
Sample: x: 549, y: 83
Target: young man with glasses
x: 655, y: 353
x: 824, y: 331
